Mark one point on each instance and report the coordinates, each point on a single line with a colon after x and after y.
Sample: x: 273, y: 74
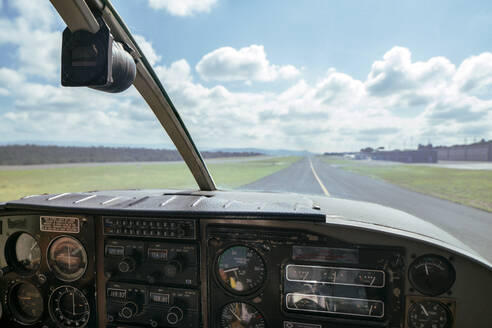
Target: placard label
x: 59, y: 224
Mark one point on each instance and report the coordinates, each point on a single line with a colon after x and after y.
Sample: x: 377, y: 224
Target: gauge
x: 428, y: 314
x: 23, y: 253
x: 306, y: 303
x: 335, y: 275
x: 67, y: 258
x: 69, y: 307
x: 431, y: 275
x: 241, y: 315
x: 335, y: 305
x: 26, y: 303
x: 241, y: 269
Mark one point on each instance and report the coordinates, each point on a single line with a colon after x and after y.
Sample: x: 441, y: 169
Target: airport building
x: 406, y: 156
x: 480, y: 151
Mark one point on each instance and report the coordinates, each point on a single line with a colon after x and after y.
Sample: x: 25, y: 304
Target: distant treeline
x: 33, y: 154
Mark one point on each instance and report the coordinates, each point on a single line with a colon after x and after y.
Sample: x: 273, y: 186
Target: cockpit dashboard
x: 228, y: 261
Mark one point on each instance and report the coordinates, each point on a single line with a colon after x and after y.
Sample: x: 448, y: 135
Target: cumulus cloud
x: 36, y: 107
x: 400, y: 100
x: 474, y: 75
x: 38, y: 44
x: 183, y: 7
x: 397, y: 74
x: 148, y: 49
x: 246, y: 64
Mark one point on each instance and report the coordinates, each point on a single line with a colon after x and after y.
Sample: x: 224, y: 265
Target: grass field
x: 227, y: 175
x: 468, y: 187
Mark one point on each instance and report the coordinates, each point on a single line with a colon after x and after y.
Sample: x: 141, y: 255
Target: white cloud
x: 183, y: 7
x: 400, y: 100
x: 177, y: 73
x: 246, y: 64
x: 474, y: 75
x: 32, y: 31
x: 4, y: 92
x: 148, y: 49
x: 396, y: 73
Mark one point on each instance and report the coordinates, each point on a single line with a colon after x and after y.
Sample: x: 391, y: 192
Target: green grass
x: 18, y: 183
x: 468, y: 187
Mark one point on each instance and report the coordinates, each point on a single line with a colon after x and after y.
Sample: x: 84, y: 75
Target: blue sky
x: 348, y: 35
x: 317, y: 75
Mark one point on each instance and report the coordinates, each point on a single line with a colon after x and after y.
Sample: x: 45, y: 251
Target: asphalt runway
x: 472, y: 226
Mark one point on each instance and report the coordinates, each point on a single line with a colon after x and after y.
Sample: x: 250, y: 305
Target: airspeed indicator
x: 241, y: 269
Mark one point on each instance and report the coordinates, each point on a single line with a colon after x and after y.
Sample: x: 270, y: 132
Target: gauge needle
x: 426, y: 269
x: 370, y: 309
x: 372, y: 282
x: 69, y: 259
x: 423, y: 309
x: 230, y: 270
x: 234, y: 313
x: 73, y: 303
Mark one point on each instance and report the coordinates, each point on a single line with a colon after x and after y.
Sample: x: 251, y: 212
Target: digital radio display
x: 157, y: 254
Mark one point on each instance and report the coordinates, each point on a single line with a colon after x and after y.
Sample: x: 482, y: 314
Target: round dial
x: 25, y: 303
x: 69, y: 307
x: 428, y: 314
x: 23, y: 253
x: 431, y: 275
x: 241, y: 269
x: 67, y: 258
x: 241, y: 315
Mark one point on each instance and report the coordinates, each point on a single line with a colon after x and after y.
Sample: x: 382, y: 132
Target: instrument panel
x: 341, y: 284
x: 114, y: 271
x: 48, y: 272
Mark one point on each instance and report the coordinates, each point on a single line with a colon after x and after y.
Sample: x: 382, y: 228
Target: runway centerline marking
x: 318, y: 179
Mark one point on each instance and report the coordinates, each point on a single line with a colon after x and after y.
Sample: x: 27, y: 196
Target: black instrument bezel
x: 423, y: 291
x: 221, y: 308
x: 11, y: 256
x: 249, y: 292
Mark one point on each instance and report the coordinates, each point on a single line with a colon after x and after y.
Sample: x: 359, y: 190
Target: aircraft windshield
x: 380, y: 101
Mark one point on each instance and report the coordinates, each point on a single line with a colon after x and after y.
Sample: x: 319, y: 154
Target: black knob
x: 126, y: 265
x: 181, y: 232
x: 6, y: 270
x: 174, y: 315
x: 172, y: 268
x: 129, y: 310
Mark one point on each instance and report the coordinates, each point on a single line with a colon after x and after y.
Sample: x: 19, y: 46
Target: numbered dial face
x: 23, y: 253
x: 241, y: 315
x: 241, y: 269
x: 431, y: 275
x: 67, y: 258
x: 69, y: 307
x: 428, y: 314
x: 26, y: 303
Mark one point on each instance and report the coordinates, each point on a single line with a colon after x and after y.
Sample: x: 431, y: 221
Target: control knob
x: 126, y: 265
x: 129, y: 310
x: 174, y: 315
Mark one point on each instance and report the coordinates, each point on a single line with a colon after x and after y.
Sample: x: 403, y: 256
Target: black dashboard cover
x: 220, y: 204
